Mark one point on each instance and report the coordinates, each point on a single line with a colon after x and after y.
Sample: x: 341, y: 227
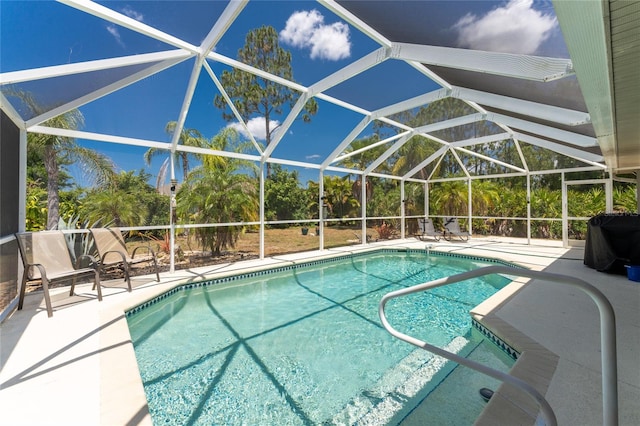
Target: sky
x: 43, y: 33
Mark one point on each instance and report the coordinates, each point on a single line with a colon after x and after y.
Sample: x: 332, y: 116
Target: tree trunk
x: 185, y: 166
x: 267, y: 137
x: 357, y: 191
x: 53, y: 201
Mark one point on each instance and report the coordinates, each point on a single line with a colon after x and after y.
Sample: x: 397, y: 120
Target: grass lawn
x: 277, y: 242
x: 291, y: 240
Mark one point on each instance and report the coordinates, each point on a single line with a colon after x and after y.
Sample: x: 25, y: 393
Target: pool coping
x: 509, y: 403
x: 535, y: 364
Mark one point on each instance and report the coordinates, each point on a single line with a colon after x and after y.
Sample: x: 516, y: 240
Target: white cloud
x: 113, y: 30
x: 306, y: 29
x: 331, y: 42
x: 131, y: 13
x: 300, y: 28
x: 515, y: 27
x: 256, y: 127
x: 128, y: 10
x: 312, y: 157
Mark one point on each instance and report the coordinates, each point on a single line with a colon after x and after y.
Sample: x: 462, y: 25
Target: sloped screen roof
x: 133, y: 67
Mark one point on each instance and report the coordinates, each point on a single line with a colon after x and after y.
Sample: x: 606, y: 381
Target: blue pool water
x: 302, y: 346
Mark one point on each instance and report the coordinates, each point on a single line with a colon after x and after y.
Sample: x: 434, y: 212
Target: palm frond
x: 96, y: 167
x: 162, y: 174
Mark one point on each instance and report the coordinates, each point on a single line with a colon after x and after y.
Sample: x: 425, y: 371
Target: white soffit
x: 603, y: 39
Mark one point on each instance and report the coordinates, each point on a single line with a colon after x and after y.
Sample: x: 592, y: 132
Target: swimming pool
x: 304, y: 345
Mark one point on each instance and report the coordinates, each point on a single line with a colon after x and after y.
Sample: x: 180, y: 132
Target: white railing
x: 607, y: 337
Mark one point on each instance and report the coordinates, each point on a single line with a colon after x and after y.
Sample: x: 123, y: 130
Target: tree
x: 36, y: 206
x: 69, y: 194
x: 449, y: 197
x: 284, y: 198
x: 385, y: 200
x: 546, y: 203
x: 511, y: 203
x: 360, y: 161
x: 55, y: 147
x: 419, y: 148
x: 625, y: 199
x: 114, y: 207
x: 485, y: 193
x: 412, y: 153
x: 255, y: 96
x: 188, y: 137
x: 56, y: 151
x: 216, y: 192
x: 339, y: 197
x: 339, y: 200
x: 128, y: 201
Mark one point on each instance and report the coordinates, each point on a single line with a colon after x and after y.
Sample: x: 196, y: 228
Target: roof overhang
x: 603, y: 38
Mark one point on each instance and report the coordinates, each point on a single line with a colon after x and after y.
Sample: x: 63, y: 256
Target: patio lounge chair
x: 428, y: 230
x: 46, y: 258
x: 113, y: 252
x: 452, y: 229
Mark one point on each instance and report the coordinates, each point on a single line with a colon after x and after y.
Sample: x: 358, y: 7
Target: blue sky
x: 37, y: 34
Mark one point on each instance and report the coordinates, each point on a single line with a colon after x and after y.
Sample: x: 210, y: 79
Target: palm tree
x: 625, y: 199
x: 413, y: 153
x: 52, y: 148
x: 188, y: 137
x: 339, y: 196
x: 216, y: 192
x: 484, y: 195
x: 361, y: 161
x: 546, y: 203
x: 449, y: 197
x: 419, y: 148
x: 121, y: 207
x: 510, y: 202
x: 129, y: 201
x: 385, y: 200
x: 589, y: 203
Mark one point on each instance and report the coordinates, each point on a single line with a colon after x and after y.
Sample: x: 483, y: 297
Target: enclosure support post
x: 22, y: 179
x: 608, y: 193
x: 426, y: 199
x: 470, y: 209
x: 22, y: 206
x: 321, y: 199
x: 528, y: 208
x: 638, y: 190
x: 363, y: 207
x: 262, y: 174
x: 403, y: 203
x: 172, y: 215
x: 565, y: 214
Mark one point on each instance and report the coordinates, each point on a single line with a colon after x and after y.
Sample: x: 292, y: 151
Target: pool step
x: 401, y: 388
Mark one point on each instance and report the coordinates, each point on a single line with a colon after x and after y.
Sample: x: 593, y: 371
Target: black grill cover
x: 613, y: 241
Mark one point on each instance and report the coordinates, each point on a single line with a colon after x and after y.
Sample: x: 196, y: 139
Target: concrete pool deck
x: 78, y: 367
